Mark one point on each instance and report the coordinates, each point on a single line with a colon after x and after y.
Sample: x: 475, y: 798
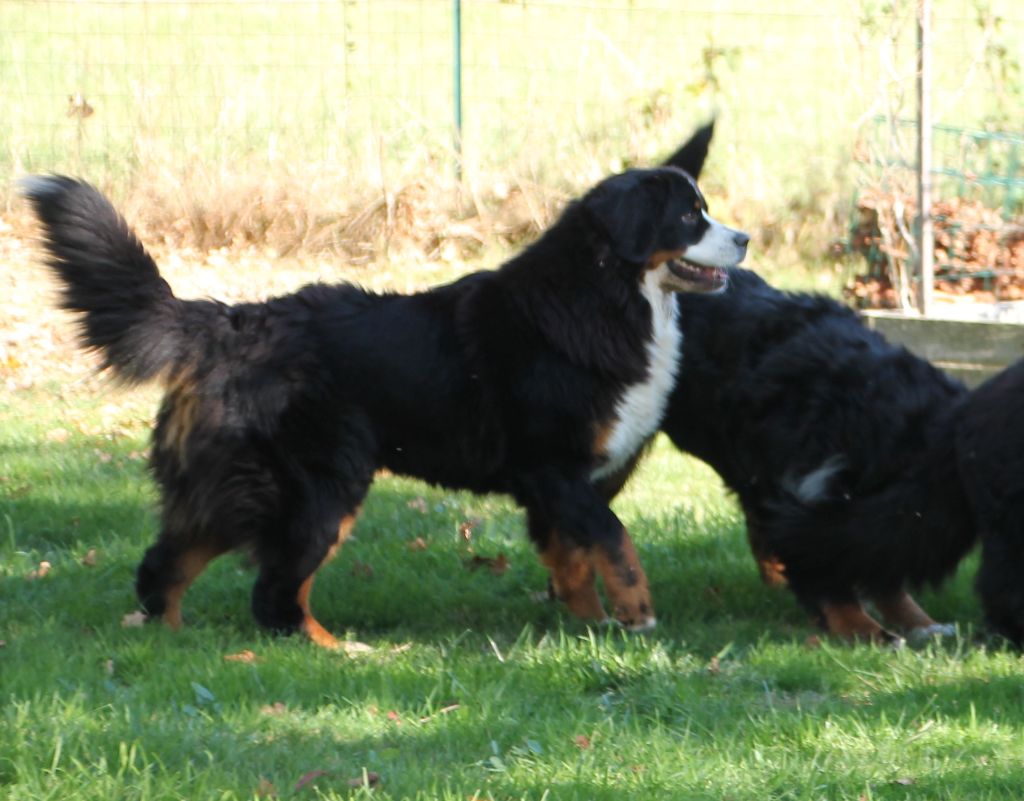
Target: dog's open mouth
x: 687, y: 276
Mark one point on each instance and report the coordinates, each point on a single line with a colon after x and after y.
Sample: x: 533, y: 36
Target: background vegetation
x: 262, y: 145
x: 328, y: 126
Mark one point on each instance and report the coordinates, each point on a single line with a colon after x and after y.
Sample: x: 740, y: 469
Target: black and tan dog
x: 836, y: 444
x: 990, y: 464
x: 908, y: 484
x: 542, y: 379
x: 840, y: 448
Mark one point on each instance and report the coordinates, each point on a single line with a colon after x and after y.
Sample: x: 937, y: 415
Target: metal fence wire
x: 978, y: 214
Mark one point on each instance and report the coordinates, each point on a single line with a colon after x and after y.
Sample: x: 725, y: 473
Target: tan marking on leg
x: 188, y: 567
x: 310, y: 626
x: 344, y: 531
x: 902, y: 611
x: 771, y: 568
x: 851, y: 622
x: 625, y: 583
x: 572, y: 578
x: 773, y: 572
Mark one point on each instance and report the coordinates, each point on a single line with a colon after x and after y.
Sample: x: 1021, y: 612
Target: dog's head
x: 657, y: 219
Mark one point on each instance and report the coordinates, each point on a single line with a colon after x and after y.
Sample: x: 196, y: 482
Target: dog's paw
x: 925, y: 634
x: 636, y: 618
x: 648, y: 623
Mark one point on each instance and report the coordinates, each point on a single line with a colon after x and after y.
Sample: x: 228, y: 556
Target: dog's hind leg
x: 166, y: 572
x: 281, y: 594
x: 280, y: 597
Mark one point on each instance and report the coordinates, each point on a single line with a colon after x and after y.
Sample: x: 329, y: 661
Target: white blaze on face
x: 641, y: 407
x: 718, y: 247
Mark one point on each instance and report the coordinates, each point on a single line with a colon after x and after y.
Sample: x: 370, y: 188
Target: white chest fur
x: 641, y: 407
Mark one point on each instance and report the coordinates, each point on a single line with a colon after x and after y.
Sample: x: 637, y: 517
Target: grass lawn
x: 467, y: 687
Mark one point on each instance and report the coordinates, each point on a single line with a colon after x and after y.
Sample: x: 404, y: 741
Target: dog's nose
x: 741, y: 239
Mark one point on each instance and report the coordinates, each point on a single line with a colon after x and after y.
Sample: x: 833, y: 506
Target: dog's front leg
x: 572, y: 576
x: 625, y: 582
x: 579, y: 537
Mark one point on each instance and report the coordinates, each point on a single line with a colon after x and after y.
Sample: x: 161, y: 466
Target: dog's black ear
x: 630, y: 207
x: 690, y: 157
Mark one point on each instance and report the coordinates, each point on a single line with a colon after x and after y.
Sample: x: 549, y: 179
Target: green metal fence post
x: 457, y: 83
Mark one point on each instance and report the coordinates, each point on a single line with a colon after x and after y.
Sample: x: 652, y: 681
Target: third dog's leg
x: 847, y: 619
x: 772, y: 570
x: 901, y: 611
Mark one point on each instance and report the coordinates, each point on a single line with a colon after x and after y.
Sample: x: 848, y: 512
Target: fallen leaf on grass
x: 714, y: 666
x: 466, y: 528
x: 277, y: 708
x: 814, y: 641
x: 58, y: 435
x: 582, y: 741
x: 246, y: 656
x: 308, y: 778
x: 362, y: 569
x: 89, y: 560
x: 419, y: 504
x: 394, y: 717
x: 496, y: 564
x: 134, y: 619
x: 906, y: 781
x: 368, y: 779
x: 418, y: 544
x: 354, y: 647
x: 39, y: 572
x: 442, y: 711
x: 265, y: 789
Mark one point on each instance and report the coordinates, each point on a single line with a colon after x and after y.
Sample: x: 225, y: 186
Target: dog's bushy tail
x: 914, y: 529
x: 127, y: 312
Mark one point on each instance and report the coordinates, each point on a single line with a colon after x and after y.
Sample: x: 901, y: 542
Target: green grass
x: 473, y: 690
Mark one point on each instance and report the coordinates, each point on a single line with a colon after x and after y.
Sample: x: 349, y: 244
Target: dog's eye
x: 690, y: 216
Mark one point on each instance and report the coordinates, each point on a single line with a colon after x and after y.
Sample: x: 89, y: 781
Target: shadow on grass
x: 409, y: 572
